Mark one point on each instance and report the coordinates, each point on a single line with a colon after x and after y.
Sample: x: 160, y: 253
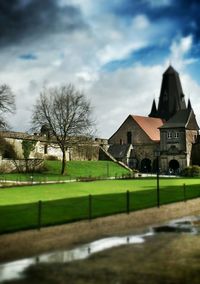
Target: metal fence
x: 46, y: 213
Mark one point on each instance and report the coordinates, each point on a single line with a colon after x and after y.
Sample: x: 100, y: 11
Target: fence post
x: 127, y: 202
x: 184, y: 193
x: 90, y: 206
x: 39, y: 214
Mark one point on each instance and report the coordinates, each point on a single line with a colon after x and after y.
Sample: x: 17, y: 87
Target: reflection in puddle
x: 14, y: 270
x: 185, y: 225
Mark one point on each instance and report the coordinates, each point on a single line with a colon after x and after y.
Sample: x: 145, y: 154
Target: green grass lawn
x: 47, y: 192
x: 19, y: 206
x: 74, y: 169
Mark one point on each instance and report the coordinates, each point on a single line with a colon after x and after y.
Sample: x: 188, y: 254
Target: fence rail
x: 45, y: 213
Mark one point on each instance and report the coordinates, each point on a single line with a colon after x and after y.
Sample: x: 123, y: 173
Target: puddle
x: 185, y: 225
x: 15, y: 269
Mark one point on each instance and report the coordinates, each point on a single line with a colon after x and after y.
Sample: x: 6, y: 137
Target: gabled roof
x: 184, y: 118
x: 150, y: 126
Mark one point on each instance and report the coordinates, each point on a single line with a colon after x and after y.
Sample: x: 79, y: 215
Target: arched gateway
x: 146, y: 165
x: 174, y: 166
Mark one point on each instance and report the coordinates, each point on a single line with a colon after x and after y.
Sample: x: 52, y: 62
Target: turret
x: 189, y: 106
x: 153, y: 112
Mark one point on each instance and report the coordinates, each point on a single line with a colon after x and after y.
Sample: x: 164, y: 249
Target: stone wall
x: 176, y: 148
x: 191, y: 136
x: 143, y: 146
x: 85, y: 149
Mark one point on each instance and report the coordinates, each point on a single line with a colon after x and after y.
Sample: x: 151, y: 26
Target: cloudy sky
x: 115, y: 51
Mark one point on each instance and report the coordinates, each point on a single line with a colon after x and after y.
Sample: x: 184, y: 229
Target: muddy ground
x: 164, y: 258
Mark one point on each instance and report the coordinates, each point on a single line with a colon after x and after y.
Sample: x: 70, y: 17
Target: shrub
x: 5, y: 168
x: 192, y: 171
x: 195, y: 171
x: 51, y: 158
x: 28, y: 165
x: 7, y: 150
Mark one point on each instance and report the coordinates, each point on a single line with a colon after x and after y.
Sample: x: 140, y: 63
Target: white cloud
x: 117, y: 52
x: 124, y: 92
x: 140, y: 22
x: 78, y: 57
x: 179, y: 49
x: 192, y: 90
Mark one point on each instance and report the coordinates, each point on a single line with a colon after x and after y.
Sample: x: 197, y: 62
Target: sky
x: 113, y: 51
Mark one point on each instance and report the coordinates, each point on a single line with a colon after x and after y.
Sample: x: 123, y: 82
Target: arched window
x: 169, y: 135
x: 174, y: 166
x: 45, y: 149
x: 146, y: 165
x: 176, y: 135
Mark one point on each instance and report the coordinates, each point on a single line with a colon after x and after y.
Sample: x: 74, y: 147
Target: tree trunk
x: 63, y: 162
x: 26, y: 165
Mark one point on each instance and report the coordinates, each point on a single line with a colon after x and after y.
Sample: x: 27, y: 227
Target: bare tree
x: 7, y: 103
x: 66, y: 113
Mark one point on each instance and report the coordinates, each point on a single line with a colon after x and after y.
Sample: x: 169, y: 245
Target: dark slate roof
x: 118, y: 151
x: 189, y: 106
x: 182, y: 119
x: 153, y: 112
x: 170, y: 70
x: 171, y: 95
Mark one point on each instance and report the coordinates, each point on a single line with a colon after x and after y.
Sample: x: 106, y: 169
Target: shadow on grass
x: 46, y: 213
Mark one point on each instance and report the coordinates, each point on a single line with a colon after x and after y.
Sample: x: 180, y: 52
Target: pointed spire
x: 189, y: 106
x: 171, y: 97
x: 153, y: 112
x: 170, y: 70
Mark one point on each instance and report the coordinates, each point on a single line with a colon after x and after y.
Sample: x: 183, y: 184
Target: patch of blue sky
x: 28, y: 56
x: 193, y: 70
x: 131, y: 8
x: 147, y: 56
x: 183, y: 14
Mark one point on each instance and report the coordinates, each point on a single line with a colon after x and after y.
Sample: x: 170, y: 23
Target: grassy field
x: 20, y: 209
x: 48, y: 192
x: 74, y: 169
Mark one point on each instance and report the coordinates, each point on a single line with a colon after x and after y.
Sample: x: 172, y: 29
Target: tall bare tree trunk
x: 63, y: 162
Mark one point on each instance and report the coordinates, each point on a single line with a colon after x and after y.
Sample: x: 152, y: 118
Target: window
x: 45, y: 149
x: 176, y: 135
x: 129, y: 137
x: 169, y: 135
x: 120, y: 141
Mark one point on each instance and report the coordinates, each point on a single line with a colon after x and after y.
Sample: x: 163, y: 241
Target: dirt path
x: 29, y: 243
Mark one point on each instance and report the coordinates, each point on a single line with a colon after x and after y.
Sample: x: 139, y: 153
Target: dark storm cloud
x: 20, y: 19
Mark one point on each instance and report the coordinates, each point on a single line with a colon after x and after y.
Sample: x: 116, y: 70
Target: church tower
x: 171, y: 98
